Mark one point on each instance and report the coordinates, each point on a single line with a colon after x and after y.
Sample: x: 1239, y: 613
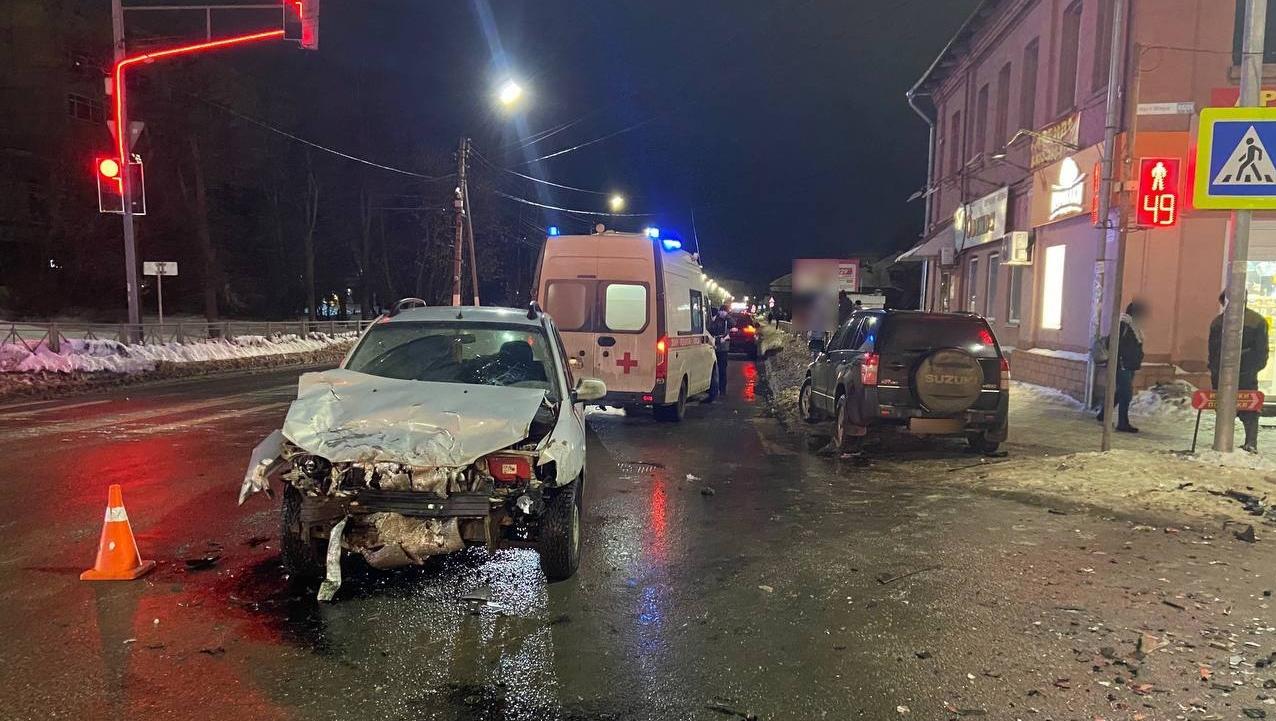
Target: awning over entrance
x: 944, y: 238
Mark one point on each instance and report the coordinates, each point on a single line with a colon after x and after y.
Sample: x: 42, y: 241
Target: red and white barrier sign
x: 1245, y: 400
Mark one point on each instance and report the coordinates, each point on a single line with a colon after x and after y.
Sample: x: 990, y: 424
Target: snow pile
x: 106, y: 356
x: 1171, y: 400
x: 785, y: 371
x: 1036, y: 395
x: 1130, y: 480
x: 1238, y: 459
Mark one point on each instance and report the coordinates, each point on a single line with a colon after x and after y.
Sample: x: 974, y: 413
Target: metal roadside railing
x: 52, y: 335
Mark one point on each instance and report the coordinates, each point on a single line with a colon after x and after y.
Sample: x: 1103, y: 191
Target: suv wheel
x: 302, y: 559
x: 559, y: 545
x: 805, y: 409
x: 673, y: 412
x: 980, y: 444
x: 842, y: 438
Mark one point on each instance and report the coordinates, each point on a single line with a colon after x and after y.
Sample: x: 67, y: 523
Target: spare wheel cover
x: 948, y: 381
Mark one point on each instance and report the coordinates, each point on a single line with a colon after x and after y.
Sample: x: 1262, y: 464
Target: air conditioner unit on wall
x: 1018, y: 249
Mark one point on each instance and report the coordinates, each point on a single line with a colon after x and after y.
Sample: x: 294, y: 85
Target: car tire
x: 842, y: 439
x: 559, y: 545
x: 712, y: 395
x: 805, y: 408
x: 673, y: 412
x: 979, y: 443
x: 302, y: 559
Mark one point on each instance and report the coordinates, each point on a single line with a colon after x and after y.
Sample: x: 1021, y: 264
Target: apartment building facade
x: 1017, y: 104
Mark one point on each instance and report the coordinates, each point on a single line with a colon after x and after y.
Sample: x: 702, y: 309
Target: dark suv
x: 927, y: 373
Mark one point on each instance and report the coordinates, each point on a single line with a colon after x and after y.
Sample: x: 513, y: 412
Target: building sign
x: 1156, y: 205
x: 981, y: 221
x: 826, y: 275
x: 1231, y: 97
x: 1183, y: 108
x: 1052, y: 145
x: 1064, y: 190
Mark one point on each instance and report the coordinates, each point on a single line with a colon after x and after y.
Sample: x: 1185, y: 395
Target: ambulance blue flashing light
x: 671, y: 244
x: 552, y: 230
x: 653, y: 232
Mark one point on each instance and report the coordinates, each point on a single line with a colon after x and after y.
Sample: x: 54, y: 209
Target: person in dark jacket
x: 1254, y: 351
x: 720, y: 329
x: 1129, y: 360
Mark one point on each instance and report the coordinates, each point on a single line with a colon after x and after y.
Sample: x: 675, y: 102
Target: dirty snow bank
x: 1134, y: 480
x: 107, y: 356
x: 785, y: 371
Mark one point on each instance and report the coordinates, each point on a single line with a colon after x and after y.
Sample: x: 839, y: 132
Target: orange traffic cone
x: 117, y: 556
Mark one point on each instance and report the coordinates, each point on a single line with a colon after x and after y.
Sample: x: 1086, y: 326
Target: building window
x: 83, y: 108
x: 979, y: 129
x: 1102, y: 45
x: 990, y: 298
x: 1028, y: 86
x: 1000, y: 127
x: 1052, y: 288
x: 972, y: 284
x: 1068, y: 51
x: 1013, y: 312
x: 954, y: 137
x: 1238, y: 37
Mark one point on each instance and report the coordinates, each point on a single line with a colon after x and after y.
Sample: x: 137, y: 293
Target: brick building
x: 1016, y: 103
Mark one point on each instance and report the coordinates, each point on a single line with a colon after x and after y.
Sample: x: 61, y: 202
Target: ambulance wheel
x: 673, y: 412
x: 712, y: 395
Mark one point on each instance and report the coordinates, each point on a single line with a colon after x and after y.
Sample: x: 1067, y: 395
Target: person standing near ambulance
x: 720, y: 329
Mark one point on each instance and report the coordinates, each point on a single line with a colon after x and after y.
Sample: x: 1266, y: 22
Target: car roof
x: 467, y: 313
x: 921, y: 314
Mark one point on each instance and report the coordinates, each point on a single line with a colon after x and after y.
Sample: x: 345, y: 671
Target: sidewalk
x: 1052, y: 454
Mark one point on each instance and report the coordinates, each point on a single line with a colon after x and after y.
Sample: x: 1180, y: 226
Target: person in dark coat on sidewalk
x: 720, y: 329
x: 1254, y: 351
x: 1129, y: 360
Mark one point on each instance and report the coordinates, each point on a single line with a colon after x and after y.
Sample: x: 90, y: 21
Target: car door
x: 571, y: 303
x: 848, y: 350
x: 623, y: 314
x: 824, y: 369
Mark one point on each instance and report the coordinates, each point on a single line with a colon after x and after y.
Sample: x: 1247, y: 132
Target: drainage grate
x: 639, y: 466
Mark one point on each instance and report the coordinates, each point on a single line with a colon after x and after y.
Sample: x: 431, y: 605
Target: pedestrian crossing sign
x: 1234, y: 166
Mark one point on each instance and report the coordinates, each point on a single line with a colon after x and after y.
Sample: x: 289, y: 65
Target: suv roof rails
x: 404, y: 304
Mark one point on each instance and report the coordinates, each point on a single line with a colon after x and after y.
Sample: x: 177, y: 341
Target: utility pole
x: 469, y: 230
x: 458, y: 203
x: 1255, y: 31
x: 1112, y: 125
x: 126, y: 185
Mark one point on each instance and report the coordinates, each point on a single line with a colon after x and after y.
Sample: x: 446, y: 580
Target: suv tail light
x: 1004, y: 383
x: 868, y: 369
x: 750, y: 330
x: 509, y: 469
x: 662, y: 359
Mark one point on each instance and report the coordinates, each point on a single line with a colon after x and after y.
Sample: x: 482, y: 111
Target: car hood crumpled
x: 345, y: 416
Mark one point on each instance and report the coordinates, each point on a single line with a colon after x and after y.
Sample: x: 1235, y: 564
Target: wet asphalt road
x: 728, y: 572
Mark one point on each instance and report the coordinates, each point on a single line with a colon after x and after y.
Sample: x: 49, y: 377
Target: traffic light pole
x: 126, y: 186
x: 1255, y: 31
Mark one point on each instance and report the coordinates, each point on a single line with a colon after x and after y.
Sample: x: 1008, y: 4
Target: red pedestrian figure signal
x: 1157, y: 203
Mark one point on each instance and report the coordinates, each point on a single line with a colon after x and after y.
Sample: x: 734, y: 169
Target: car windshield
x: 473, y: 353
x: 905, y: 334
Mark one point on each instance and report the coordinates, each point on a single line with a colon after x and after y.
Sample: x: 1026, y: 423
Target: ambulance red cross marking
x: 626, y: 362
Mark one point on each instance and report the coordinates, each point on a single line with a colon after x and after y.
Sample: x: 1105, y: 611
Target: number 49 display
x: 1157, y: 202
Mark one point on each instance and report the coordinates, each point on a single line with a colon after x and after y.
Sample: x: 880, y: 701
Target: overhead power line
x: 525, y: 201
x: 587, y: 143
x: 524, y: 176
x: 267, y: 126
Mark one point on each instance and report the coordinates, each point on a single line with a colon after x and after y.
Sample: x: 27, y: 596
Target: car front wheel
x: 560, y: 533
x: 302, y: 559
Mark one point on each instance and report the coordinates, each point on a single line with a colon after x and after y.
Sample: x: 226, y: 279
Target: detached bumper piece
x: 316, y: 510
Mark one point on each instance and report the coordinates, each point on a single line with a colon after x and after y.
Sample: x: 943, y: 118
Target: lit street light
x: 616, y: 203
x: 509, y: 93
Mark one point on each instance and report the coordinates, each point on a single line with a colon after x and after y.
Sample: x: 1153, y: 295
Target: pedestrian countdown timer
x: 1234, y: 167
x: 1157, y: 203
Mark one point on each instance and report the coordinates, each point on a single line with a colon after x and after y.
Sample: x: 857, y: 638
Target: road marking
x: 5, y: 413
x: 108, y: 421
x: 150, y: 430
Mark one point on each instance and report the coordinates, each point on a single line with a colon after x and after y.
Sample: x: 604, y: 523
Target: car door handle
x: 606, y: 341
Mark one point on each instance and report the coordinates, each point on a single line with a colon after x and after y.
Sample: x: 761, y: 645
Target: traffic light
x: 110, y: 185
x: 301, y: 22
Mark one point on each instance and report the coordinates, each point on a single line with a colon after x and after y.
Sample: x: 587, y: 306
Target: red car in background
x: 744, y: 334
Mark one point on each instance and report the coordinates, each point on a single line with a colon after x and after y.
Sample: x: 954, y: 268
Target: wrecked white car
x: 443, y: 427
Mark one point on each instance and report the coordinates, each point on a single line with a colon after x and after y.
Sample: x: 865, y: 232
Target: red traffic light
x: 109, y: 168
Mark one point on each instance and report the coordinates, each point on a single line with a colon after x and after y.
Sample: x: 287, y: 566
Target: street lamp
x: 616, y: 203
x: 509, y: 93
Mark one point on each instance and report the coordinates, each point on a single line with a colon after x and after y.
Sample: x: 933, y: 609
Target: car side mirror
x: 816, y: 345
x: 589, y: 389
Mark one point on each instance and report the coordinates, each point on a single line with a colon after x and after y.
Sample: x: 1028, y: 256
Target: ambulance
x: 631, y: 309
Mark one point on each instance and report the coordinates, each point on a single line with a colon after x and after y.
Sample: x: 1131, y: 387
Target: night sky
x: 783, y: 124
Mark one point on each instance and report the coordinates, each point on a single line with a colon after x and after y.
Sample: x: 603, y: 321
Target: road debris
x: 887, y: 579
x: 707, y: 491
x: 1246, y: 535
x: 332, y: 580
x: 201, y: 562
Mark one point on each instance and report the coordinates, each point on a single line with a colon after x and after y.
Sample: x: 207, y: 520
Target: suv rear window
x: 905, y: 334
